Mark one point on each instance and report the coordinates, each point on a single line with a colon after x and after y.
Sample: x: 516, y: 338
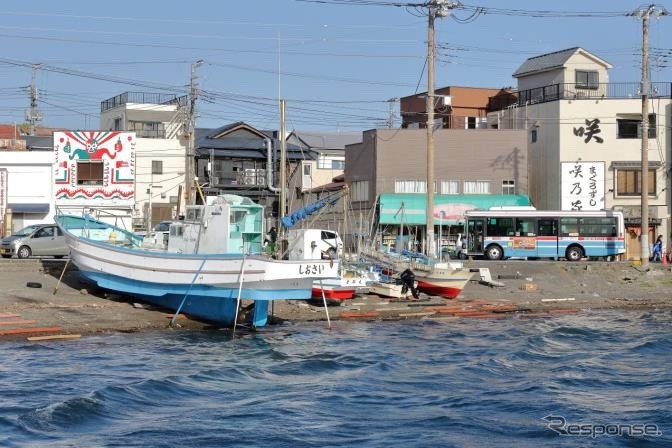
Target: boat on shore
x: 437, y: 278
x: 213, y: 261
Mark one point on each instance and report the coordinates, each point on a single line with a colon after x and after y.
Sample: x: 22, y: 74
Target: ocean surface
x: 421, y: 383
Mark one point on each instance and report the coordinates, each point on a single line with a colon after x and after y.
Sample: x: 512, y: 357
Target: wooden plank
x: 17, y: 322
x: 54, y: 337
x: 5, y: 315
x: 30, y: 330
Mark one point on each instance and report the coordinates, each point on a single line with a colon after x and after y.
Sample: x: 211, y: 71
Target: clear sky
x: 337, y: 65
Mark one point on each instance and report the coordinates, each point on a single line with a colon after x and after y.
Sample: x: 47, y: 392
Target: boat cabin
x: 228, y: 224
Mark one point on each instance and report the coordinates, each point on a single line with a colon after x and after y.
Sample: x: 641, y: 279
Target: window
x: 629, y: 182
x: 410, y: 186
x: 449, y: 187
x: 508, y: 186
x: 630, y: 127
x: 500, y: 227
x: 476, y: 187
x: 471, y: 122
x: 533, y: 136
x: 117, y: 124
x: 90, y: 173
x: 526, y: 226
x: 587, y: 79
x: 548, y: 227
x: 306, y: 169
x: 330, y: 164
x: 147, y: 129
x: 360, y: 190
x: 157, y: 167
x: 45, y: 232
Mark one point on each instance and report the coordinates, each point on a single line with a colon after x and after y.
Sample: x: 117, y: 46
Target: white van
x: 313, y: 244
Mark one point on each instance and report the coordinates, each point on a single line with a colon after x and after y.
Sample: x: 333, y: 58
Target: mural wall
x: 94, y: 168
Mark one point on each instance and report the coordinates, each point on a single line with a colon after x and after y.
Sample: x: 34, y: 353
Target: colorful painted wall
x: 115, y: 151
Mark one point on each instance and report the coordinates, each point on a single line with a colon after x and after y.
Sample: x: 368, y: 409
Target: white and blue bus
x: 498, y: 234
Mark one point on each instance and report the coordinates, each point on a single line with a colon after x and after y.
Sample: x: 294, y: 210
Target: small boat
x: 446, y: 279
x: 350, y: 282
x: 213, y: 260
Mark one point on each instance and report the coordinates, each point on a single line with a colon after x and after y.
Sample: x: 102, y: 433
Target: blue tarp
x: 299, y: 215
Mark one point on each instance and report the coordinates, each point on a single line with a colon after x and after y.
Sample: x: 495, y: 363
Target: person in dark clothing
x: 408, y: 280
x: 272, y: 238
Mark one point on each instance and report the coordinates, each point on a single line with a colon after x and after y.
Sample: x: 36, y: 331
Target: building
x: 239, y: 159
x: 389, y: 169
x: 584, y: 139
x: 455, y: 107
x: 158, y: 122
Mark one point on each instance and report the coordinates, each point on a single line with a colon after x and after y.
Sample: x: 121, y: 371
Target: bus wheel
x: 494, y: 252
x: 574, y: 253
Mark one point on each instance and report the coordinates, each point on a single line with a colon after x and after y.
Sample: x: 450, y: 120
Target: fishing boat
x: 349, y: 283
x: 437, y: 278
x: 213, y: 261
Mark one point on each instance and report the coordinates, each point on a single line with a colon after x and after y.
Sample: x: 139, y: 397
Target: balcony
x: 568, y: 91
x: 143, y: 98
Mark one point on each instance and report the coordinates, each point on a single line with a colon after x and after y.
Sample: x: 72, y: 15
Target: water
x: 414, y: 383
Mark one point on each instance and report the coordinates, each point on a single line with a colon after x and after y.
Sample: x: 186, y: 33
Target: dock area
x: 31, y: 305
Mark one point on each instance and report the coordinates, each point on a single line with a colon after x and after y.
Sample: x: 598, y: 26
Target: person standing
x: 658, y: 249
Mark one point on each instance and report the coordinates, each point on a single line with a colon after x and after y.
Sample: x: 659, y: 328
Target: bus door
x: 524, y: 241
x: 547, y: 241
x: 475, y: 236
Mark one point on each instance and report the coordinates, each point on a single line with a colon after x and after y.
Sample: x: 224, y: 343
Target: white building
x: 160, y: 151
x: 26, y: 189
x: 584, y: 139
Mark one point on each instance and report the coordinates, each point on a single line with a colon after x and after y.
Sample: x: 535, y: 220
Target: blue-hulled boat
x: 213, y: 260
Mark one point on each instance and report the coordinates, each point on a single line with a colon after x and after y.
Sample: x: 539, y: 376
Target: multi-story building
x: 455, y: 107
x: 473, y: 169
x: 158, y: 123
x: 584, y: 137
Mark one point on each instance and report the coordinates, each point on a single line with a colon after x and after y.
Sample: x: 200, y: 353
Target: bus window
x: 569, y: 226
x: 500, y: 227
x: 597, y: 226
x: 526, y: 227
x: 548, y: 227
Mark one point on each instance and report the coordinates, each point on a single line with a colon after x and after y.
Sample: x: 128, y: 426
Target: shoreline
x: 530, y: 289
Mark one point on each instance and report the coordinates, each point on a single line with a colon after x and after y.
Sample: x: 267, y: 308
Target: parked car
x: 35, y: 240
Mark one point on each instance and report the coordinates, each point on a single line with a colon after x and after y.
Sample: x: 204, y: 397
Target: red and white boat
x: 342, y: 288
x: 446, y: 279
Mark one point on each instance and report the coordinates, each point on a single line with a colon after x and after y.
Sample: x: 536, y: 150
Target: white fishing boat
x: 212, y: 262
x: 446, y: 278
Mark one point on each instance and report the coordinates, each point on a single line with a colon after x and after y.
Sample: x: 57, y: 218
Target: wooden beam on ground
x: 54, y: 337
x: 30, y: 330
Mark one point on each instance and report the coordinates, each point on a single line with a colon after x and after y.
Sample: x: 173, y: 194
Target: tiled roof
x: 545, y: 61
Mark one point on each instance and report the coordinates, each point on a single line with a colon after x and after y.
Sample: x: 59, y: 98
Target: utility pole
x: 390, y: 112
x: 283, y: 173
x: 435, y: 8
x: 33, y: 116
x: 189, y: 170
x: 645, y: 14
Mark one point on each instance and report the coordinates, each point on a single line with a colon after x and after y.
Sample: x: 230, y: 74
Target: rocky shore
x: 30, y: 305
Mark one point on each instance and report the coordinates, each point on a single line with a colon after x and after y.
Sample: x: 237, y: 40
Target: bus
x: 573, y: 235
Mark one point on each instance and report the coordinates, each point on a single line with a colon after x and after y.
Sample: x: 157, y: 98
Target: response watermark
x: 559, y: 424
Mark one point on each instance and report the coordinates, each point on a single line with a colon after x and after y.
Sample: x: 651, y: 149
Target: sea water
x: 420, y: 383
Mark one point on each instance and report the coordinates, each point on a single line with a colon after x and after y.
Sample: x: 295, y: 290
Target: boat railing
x: 96, y: 225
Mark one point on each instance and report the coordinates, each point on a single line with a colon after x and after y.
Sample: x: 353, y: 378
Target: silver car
x: 35, y: 240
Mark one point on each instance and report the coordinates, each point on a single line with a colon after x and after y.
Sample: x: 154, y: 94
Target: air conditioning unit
x: 445, y: 101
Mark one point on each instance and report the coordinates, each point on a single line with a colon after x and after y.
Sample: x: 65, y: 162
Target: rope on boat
x: 184, y: 299
x: 240, y: 288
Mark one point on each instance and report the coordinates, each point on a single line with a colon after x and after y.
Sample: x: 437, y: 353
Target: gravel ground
x: 531, y: 287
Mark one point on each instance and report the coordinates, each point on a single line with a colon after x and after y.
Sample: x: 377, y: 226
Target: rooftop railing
x: 143, y: 98
x: 569, y: 91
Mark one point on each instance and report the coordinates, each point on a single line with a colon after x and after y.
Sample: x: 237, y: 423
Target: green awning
x: 448, y: 209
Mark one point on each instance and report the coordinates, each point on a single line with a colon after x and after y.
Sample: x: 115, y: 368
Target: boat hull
x: 334, y: 293
x: 204, y: 286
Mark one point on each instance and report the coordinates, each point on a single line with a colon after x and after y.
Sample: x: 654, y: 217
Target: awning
x: 411, y: 208
x: 28, y: 207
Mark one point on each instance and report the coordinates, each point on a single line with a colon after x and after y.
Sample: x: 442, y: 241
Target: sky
x: 338, y: 64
